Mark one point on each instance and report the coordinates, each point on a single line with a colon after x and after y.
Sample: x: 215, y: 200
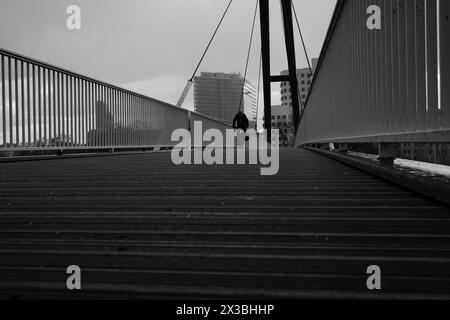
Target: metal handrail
x: 382, y: 85
x: 46, y: 107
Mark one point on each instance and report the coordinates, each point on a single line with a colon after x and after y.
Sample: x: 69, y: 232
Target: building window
x: 284, y: 118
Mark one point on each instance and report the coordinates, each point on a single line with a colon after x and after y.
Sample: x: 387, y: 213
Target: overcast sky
x: 152, y: 46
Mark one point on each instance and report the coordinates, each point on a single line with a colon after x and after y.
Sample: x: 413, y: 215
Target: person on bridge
x: 240, y: 121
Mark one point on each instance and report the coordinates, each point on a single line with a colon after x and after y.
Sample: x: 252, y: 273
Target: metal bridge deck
x: 138, y: 226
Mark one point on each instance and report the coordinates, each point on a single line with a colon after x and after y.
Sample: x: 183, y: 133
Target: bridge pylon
x: 268, y: 78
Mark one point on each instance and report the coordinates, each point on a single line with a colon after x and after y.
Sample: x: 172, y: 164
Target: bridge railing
x: 43, y: 107
x: 382, y: 85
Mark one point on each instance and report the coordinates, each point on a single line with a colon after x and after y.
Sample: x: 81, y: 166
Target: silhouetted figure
x: 241, y: 121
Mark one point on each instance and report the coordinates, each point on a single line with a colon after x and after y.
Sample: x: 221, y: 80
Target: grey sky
x: 152, y: 46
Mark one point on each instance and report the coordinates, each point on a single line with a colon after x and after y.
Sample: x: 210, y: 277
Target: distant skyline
x: 152, y: 47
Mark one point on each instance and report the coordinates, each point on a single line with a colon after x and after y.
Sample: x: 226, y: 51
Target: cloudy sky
x: 152, y: 46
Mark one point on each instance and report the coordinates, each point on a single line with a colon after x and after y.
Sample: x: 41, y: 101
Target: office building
x: 282, y: 119
x: 304, y: 77
x: 218, y: 95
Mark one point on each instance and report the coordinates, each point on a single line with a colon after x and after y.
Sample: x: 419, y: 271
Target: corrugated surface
x: 140, y: 227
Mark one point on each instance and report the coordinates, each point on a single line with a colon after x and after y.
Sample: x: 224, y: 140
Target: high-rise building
x: 103, y: 117
x: 219, y: 95
x: 282, y: 119
x: 304, y: 77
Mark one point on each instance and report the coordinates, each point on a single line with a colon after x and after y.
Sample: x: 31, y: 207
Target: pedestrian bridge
x: 139, y: 226
x: 87, y: 179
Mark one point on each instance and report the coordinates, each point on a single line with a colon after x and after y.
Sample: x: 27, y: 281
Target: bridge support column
x: 265, y: 52
x: 286, y: 6
x: 386, y: 152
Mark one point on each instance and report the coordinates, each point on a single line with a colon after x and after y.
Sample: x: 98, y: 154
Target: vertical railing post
x: 44, y: 105
x: 64, y: 103
x: 49, y: 106
x: 395, y: 66
x: 112, y: 117
x: 431, y: 64
x: 120, y: 118
x: 388, y: 120
x: 132, y: 110
x: 444, y: 61
x: 79, y: 114
x: 3, y: 100
x: 94, y: 115
x: 102, y: 111
x: 365, y: 107
x: 359, y: 20
x: 16, y: 94
x: 411, y: 65
x: 34, y: 107
x: 124, y: 119
x: 68, y: 114
x: 379, y: 68
x: 105, y: 115
x: 40, y: 106
x: 129, y: 119
x: 402, y: 65
x: 114, y: 125
x: 11, y: 142
x: 55, y: 114
x: 87, y: 104
x: 22, y: 94
x: 383, y: 64
x: 420, y: 66
x: 371, y: 77
x: 28, y: 105
x: 90, y: 116
x: 73, y: 110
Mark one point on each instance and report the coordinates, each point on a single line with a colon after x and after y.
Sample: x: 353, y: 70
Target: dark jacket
x: 240, y: 121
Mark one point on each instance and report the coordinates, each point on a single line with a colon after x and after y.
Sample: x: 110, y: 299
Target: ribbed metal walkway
x: 139, y: 226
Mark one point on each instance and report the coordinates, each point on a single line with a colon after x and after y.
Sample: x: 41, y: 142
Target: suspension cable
x: 301, y: 37
x: 211, y: 40
x: 248, y: 53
